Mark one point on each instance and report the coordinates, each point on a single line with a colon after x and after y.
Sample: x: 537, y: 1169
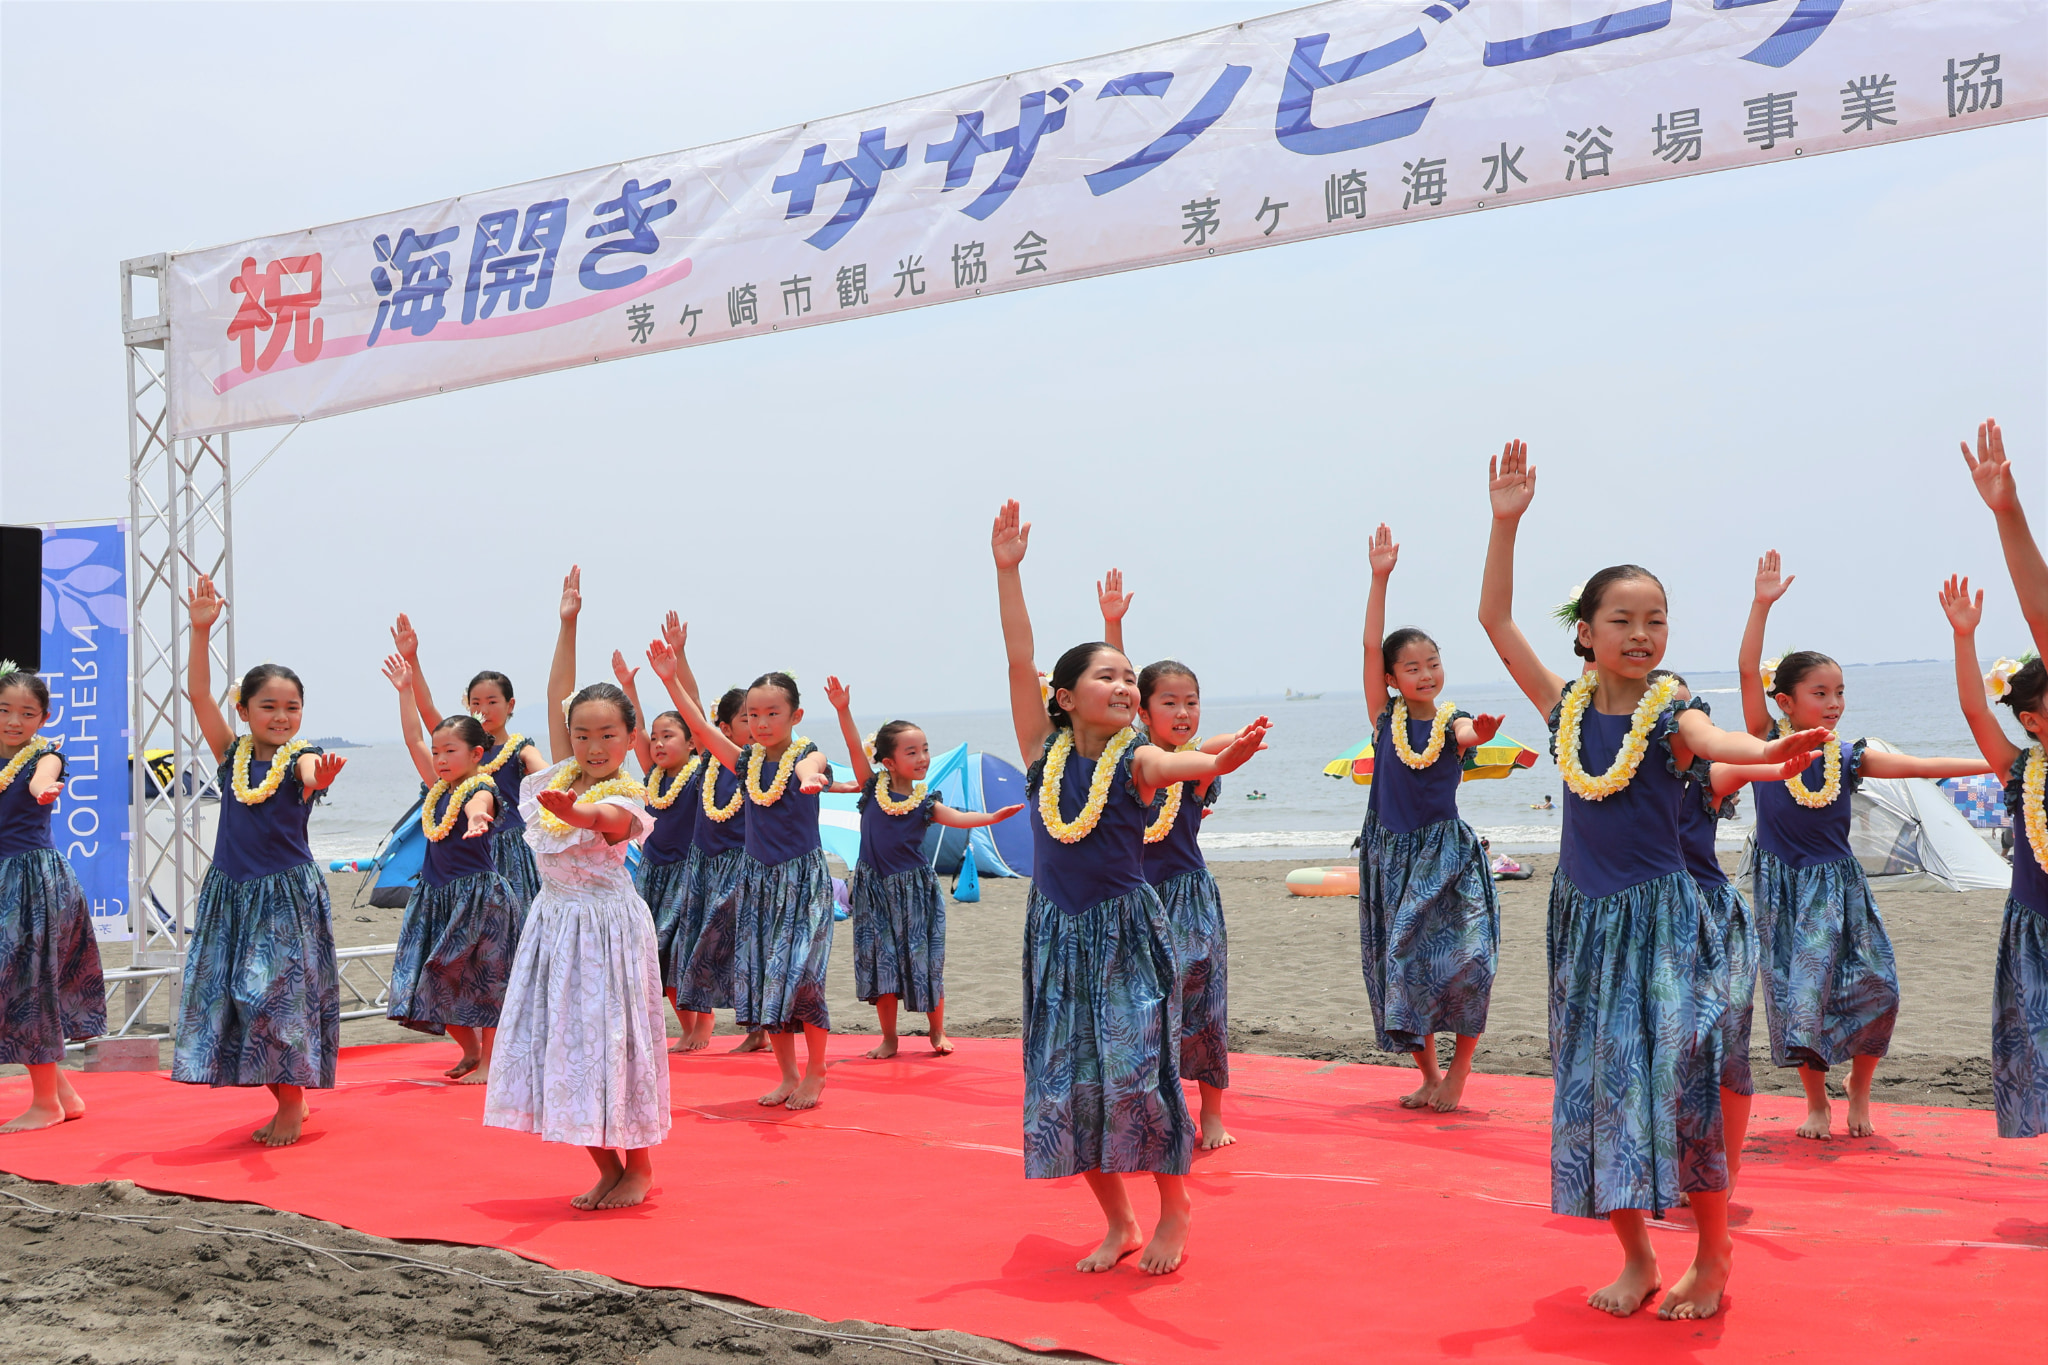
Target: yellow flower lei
x: 1831, y: 779
x: 1083, y: 824
x: 683, y: 776
x: 620, y: 785
x: 1437, y: 731
x: 1633, y: 745
x: 505, y: 751
x: 2031, y: 784
x: 713, y: 811
x: 889, y: 804
x: 30, y: 751
x: 783, y: 769
x: 439, y: 829
x: 280, y: 764
x: 1169, y: 810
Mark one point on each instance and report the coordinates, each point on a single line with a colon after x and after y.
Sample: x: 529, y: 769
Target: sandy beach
x: 167, y: 1289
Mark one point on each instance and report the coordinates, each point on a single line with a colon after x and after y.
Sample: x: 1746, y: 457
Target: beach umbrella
x: 1496, y: 758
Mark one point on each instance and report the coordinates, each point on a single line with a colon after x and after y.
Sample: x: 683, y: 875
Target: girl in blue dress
x: 2019, y: 992
x: 1831, y: 989
x: 1102, y: 1093
x: 704, y: 935
x: 1428, y: 916
x: 461, y: 925
x: 261, y: 1000
x: 510, y: 759
x: 782, y: 903
x: 51, y: 989
x: 898, y: 911
x: 1635, y: 1005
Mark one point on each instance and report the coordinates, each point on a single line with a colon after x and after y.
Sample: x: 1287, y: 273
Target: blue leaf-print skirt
x: 666, y: 889
x: 782, y: 943
x: 454, y: 955
x: 1635, y: 1043
x: 513, y: 857
x: 1831, y: 991
x: 50, y: 984
x: 1101, y: 1012
x: 1201, y: 947
x: 899, y: 937
x: 1428, y: 932
x: 261, y: 1003
x: 1730, y: 932
x: 2019, y: 1024
x: 701, y: 956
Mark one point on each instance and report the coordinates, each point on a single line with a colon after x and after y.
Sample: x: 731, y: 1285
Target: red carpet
x: 1340, y: 1227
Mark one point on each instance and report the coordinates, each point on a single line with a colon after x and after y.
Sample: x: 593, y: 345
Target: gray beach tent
x: 1908, y: 834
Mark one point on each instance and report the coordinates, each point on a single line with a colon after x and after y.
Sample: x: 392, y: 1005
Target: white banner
x: 1334, y: 118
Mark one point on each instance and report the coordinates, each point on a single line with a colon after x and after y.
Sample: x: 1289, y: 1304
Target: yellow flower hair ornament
x: 1767, y: 674
x: 280, y: 764
x: 1998, y: 682
x: 1438, y: 729
x: 1634, y: 745
x: 439, y: 828
x: 617, y: 785
x: 1083, y: 824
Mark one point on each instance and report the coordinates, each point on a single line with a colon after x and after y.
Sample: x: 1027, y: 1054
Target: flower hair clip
x: 1998, y: 682
x: 1566, y: 613
x: 1767, y: 674
x: 867, y: 745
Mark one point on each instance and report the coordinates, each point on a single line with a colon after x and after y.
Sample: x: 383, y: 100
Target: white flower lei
x: 280, y: 764
x: 783, y: 769
x: 1634, y: 745
x: 2031, y: 783
x: 887, y: 801
x: 616, y: 785
x: 28, y: 753
x: 505, y: 751
x: 712, y: 810
x: 1083, y: 824
x: 683, y: 776
x: 1438, y: 729
x: 439, y: 829
x: 1169, y: 810
x: 1831, y: 780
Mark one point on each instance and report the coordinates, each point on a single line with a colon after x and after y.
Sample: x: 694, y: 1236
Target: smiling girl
x: 1831, y: 990
x: 582, y: 1054
x: 50, y: 983
x: 261, y: 1003
x: 1636, y: 995
x: 1102, y: 1000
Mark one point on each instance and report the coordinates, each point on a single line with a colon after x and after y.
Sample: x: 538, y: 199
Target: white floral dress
x: 582, y: 1047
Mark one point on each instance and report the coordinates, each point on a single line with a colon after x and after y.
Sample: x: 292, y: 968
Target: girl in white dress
x: 582, y: 1042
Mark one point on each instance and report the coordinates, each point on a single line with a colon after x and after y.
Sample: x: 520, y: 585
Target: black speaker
x: 21, y: 596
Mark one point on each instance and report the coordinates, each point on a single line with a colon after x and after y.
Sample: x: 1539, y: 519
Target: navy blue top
x: 1110, y: 862
x: 1804, y: 838
x: 1181, y: 850
x: 269, y: 837
x: 25, y: 821
x: 1697, y: 820
x: 456, y: 856
x: 789, y: 828
x: 890, y: 844
x: 508, y: 779
x: 1406, y: 799
x: 1632, y: 836
x: 720, y: 836
x: 2029, y: 883
x: 676, y: 826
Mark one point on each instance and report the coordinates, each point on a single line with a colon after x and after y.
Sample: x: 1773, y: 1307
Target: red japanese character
x: 267, y: 307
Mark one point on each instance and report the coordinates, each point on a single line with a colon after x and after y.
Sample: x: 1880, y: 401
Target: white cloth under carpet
x: 582, y: 1046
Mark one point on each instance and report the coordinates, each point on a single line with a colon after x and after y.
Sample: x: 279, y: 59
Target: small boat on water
x: 1292, y: 695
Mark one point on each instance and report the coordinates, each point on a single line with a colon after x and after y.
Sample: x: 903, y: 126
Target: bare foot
x: 630, y: 1190
x: 780, y: 1093
x: 1420, y: 1097
x: 1213, y: 1134
x: 1631, y: 1289
x: 1449, y: 1092
x: 1117, y: 1243
x: 480, y: 1076
x: 753, y: 1042
x: 74, y: 1107
x: 462, y: 1068
x: 1818, y: 1122
x: 35, y: 1116
x: 689, y: 1042
x: 808, y: 1092
x: 942, y: 1045
x: 1859, y: 1117
x: 1698, y: 1292
x: 885, y: 1048
x: 283, y: 1130
x: 590, y: 1197
x: 1169, y: 1243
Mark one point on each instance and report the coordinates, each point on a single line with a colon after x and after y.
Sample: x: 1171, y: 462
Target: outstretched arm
x: 1876, y: 764
x: 1511, y: 485
x: 205, y: 606
x: 1771, y: 583
x: 406, y: 641
x: 1383, y: 554
x: 1154, y: 767
x: 1964, y: 612
x: 813, y: 772
x: 562, y: 672
x: 46, y: 779
x: 1481, y: 729
x: 971, y: 819
x: 1992, y: 473
x: 712, y: 740
x: 642, y: 748
x: 1698, y: 736
x: 608, y: 818
x: 1733, y: 777
x: 1008, y: 541
x: 399, y: 674
x: 841, y: 698
x: 1115, y: 602
x: 481, y: 809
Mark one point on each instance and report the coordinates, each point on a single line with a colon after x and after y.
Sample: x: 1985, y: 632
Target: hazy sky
x: 1705, y: 368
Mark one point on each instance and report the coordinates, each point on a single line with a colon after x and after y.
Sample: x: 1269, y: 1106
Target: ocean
x: 1304, y: 814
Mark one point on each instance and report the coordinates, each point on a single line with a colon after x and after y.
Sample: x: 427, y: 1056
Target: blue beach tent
x: 979, y: 782
x: 397, y: 869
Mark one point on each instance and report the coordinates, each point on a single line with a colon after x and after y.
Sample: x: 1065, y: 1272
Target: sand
x: 87, y: 1290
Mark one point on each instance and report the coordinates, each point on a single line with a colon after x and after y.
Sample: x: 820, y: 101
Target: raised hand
x: 1010, y: 538
x: 398, y: 672
x: 1486, y: 727
x: 405, y: 639
x: 572, y: 593
x: 1989, y: 468
x: 1109, y: 591
x: 1956, y: 604
x: 1247, y: 742
x: 204, y: 603
x: 1511, y: 482
x: 1382, y: 552
x: 479, y: 823
x: 624, y: 674
x: 326, y: 767
x: 1771, y: 580
x: 56, y: 790
x: 676, y: 631
x: 838, y: 693
x: 661, y: 657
